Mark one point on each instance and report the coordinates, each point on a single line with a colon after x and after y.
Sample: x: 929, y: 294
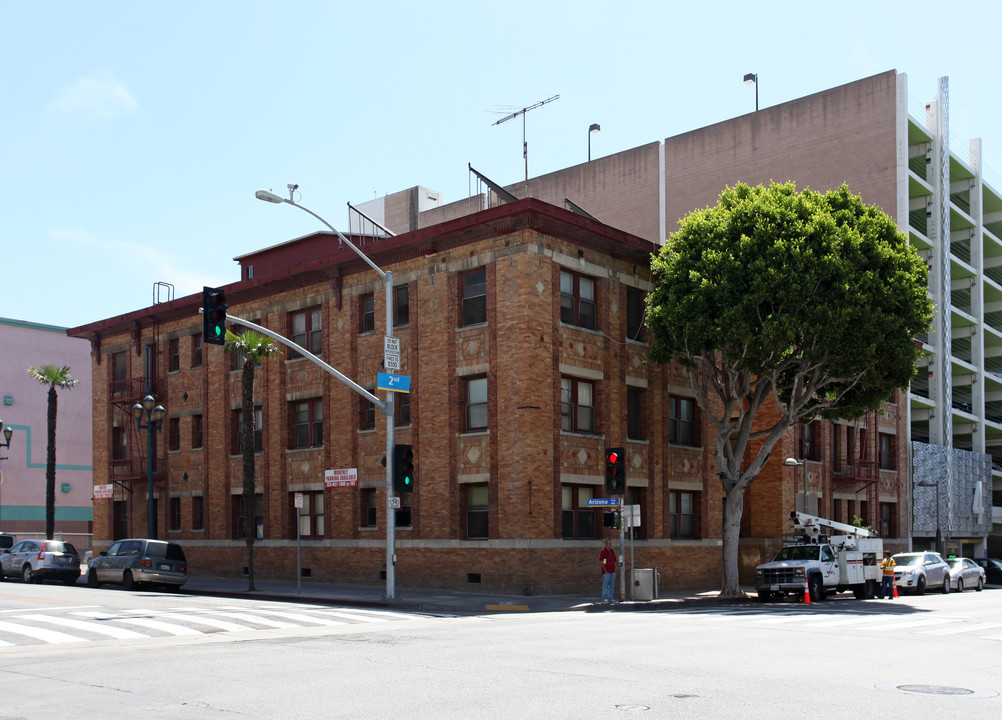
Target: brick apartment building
x: 521, y: 328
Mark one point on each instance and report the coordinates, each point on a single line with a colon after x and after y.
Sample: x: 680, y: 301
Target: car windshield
x: 58, y: 546
x: 801, y: 552
x: 908, y: 560
x: 955, y: 564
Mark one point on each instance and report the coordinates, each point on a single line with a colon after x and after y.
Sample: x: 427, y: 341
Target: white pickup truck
x: 823, y: 565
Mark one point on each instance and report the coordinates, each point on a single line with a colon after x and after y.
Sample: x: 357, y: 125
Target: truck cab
x: 796, y: 568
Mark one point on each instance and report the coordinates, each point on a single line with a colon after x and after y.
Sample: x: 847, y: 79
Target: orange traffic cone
x: 895, y: 585
x: 807, y: 594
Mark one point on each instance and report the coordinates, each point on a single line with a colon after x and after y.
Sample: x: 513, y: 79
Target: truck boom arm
x: 812, y: 523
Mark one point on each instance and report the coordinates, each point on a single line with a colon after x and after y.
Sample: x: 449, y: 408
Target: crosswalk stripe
x: 914, y: 623
x: 170, y: 628
x: 977, y: 627
x: 49, y: 636
x: 93, y: 627
x: 208, y: 621
x: 359, y: 617
x: 255, y: 618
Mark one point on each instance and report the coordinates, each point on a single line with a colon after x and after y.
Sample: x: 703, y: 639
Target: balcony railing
x: 132, y: 388
x: 134, y: 469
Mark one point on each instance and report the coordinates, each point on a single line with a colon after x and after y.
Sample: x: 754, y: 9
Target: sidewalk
x: 442, y: 601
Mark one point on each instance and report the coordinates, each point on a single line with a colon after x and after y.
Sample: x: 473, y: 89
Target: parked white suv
x: 917, y: 571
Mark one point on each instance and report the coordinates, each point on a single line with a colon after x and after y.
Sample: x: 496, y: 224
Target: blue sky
x: 135, y: 134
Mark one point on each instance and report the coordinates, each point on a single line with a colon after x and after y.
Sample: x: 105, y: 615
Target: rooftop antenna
x: 525, y: 145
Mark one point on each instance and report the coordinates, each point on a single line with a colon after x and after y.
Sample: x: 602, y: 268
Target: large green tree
x: 806, y: 301
x: 253, y: 347
x: 55, y: 377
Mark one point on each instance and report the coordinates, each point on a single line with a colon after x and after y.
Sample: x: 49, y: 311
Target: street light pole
x: 793, y: 462
x: 7, y: 433
x: 154, y: 421
x: 752, y: 79
x: 387, y: 409
x: 594, y: 128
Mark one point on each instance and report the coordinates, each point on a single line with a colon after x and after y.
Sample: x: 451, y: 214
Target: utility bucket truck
x: 823, y: 564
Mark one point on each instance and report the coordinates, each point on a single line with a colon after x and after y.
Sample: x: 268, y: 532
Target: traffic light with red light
x: 213, y: 316
x: 403, y: 469
x: 615, y: 471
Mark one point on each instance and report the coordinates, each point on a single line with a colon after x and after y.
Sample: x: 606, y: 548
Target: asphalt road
x: 914, y: 656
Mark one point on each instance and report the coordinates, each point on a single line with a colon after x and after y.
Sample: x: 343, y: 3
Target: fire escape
x: 857, y: 470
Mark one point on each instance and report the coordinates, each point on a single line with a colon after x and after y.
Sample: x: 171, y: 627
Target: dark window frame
x: 174, y: 355
x: 401, y: 306
x: 308, y: 434
x: 473, y: 304
x: 887, y: 451
x: 472, y: 424
x: 173, y: 434
x: 578, y: 522
x: 197, y: 431
x: 575, y: 309
x: 196, y: 350
x: 197, y: 512
x: 572, y: 418
x: 476, y: 517
x: 312, y: 514
x: 369, y: 508
x: 174, y: 514
x: 636, y: 426
x: 235, y: 434
x: 311, y: 335
x: 635, y: 312
x: 367, y: 313
x: 683, y: 524
x: 683, y: 431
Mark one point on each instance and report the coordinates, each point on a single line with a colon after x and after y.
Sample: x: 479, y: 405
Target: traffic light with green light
x: 403, y: 469
x: 213, y: 316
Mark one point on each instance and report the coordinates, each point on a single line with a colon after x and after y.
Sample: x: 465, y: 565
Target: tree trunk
x: 50, y: 466
x: 247, y: 441
x: 733, y: 507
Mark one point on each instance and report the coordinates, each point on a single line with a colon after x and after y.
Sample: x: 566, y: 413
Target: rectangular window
x: 173, y: 355
x: 196, y: 350
x: 198, y: 513
x: 307, y: 423
x: 236, y: 441
x: 196, y: 432
x: 635, y: 413
x: 577, y: 519
x: 175, y: 514
x: 311, y: 515
x: 475, y: 297
x: 888, y: 528
x: 401, y: 306
x: 368, y: 501
x: 120, y: 366
x: 174, y: 433
x: 477, y: 526
x: 237, y: 516
x: 888, y: 459
x: 634, y: 313
x: 367, y: 308
x: 476, y: 404
x: 119, y: 443
x: 366, y: 414
x: 402, y: 409
x: 577, y: 300
x: 306, y: 330
x: 402, y: 517
x: 810, y: 437
x: 638, y: 496
x: 683, y: 427
x: 577, y: 405
x: 681, y: 515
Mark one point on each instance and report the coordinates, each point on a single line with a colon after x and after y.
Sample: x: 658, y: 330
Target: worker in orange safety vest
x: 887, y: 576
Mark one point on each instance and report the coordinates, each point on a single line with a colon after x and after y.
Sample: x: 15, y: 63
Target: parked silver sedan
x: 917, y: 571
x: 966, y: 573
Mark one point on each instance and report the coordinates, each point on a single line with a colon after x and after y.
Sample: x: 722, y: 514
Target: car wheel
x: 27, y: 575
x: 92, y: 580
x: 127, y: 582
x: 920, y: 585
x: 960, y: 584
x: 946, y: 585
x: 980, y: 586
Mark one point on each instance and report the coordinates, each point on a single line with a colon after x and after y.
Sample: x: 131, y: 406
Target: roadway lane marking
x: 49, y: 636
x: 977, y: 627
x: 169, y: 628
x: 247, y: 617
x: 92, y: 627
x: 208, y: 621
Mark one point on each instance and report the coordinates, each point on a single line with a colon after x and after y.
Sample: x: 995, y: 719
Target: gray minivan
x: 138, y: 560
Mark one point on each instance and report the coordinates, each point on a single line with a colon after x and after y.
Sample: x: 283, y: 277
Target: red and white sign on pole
x: 104, y: 492
x: 297, y: 500
x: 344, y: 477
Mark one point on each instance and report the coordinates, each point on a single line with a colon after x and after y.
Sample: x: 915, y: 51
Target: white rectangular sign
x: 391, y: 353
x: 344, y: 477
x: 631, y: 516
x: 298, y: 500
x: 104, y: 492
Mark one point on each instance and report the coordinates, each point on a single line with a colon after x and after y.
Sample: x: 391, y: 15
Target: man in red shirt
x: 607, y: 558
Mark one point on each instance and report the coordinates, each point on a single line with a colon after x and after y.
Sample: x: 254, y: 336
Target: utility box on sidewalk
x: 645, y: 583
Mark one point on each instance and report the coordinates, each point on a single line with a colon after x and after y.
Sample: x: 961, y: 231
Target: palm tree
x: 55, y: 377
x: 253, y: 347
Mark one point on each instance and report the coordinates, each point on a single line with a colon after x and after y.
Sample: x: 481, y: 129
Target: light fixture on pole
x: 8, y: 431
x: 752, y: 79
x: 594, y: 128
x: 391, y: 500
x: 793, y: 462
x: 154, y: 415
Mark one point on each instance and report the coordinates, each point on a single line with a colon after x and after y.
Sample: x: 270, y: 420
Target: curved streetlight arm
x: 271, y: 197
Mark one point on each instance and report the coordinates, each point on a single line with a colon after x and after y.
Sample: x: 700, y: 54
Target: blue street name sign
x: 394, y: 383
x: 603, y: 502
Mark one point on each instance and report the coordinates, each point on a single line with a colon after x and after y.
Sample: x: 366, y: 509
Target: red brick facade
x: 532, y: 361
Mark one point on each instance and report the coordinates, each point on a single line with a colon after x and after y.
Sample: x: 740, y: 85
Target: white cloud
x: 97, y: 95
